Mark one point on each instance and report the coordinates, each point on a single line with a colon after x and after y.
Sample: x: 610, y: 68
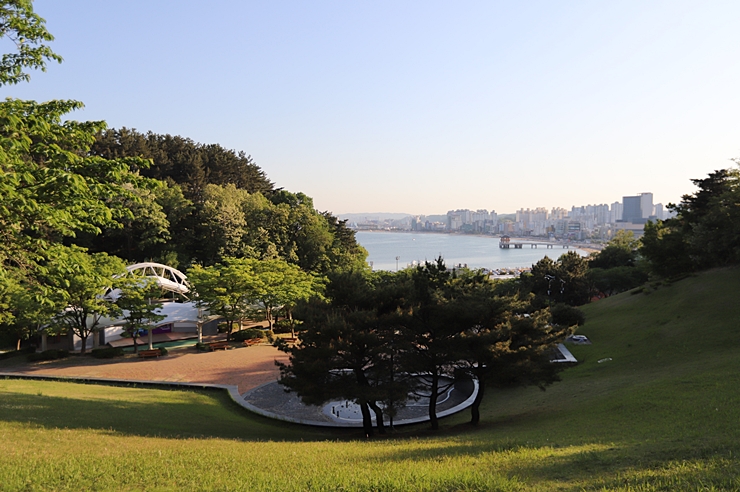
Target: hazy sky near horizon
x: 419, y: 107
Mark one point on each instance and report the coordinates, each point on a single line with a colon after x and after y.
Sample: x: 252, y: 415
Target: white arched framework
x: 169, y: 279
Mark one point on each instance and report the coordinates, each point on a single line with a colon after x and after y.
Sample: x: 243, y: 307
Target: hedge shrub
x: 282, y: 326
x: 107, y: 352
x: 52, y: 354
x: 24, y: 350
x: 240, y: 336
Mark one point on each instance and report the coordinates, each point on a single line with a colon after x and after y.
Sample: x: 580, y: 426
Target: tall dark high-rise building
x: 637, y: 209
x: 631, y: 209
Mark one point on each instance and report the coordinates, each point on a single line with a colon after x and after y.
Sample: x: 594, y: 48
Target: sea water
x: 456, y: 249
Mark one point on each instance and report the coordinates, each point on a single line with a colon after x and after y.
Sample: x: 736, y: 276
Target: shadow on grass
x: 645, y: 466
x: 147, y: 412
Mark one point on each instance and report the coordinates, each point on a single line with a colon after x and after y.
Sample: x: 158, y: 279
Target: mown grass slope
x: 659, y: 412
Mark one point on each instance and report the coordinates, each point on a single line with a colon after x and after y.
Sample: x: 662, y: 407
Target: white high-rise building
x: 646, y: 205
x: 615, y: 212
x: 659, y: 211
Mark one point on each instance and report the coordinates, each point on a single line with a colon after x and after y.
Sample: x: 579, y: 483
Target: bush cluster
x: 52, y: 354
x: 282, y: 326
x: 240, y: 336
x: 25, y: 350
x: 565, y: 315
x: 107, y: 352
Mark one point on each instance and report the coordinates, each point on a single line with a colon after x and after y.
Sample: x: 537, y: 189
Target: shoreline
x: 586, y: 248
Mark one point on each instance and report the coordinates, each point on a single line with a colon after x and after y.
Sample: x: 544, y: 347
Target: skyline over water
x: 475, y: 251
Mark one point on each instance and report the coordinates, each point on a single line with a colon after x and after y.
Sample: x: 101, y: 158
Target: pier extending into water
x: 506, y: 243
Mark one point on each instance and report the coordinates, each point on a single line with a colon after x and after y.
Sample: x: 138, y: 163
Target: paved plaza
x: 271, y: 400
x: 243, y: 367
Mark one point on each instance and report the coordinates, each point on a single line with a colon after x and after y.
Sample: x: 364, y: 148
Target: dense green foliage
x: 346, y: 346
x: 617, y: 268
x: 562, y: 281
x: 660, y: 416
x: 206, y: 191
x: 184, y: 162
x: 705, y: 232
x: 26, y: 30
x: 77, y: 281
x: 50, y: 189
x: 375, y: 330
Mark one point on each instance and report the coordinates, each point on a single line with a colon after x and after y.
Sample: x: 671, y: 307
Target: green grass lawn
x: 662, y: 414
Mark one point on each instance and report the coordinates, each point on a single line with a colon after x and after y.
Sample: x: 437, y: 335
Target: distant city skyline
x: 418, y: 106
x: 599, y: 221
x: 398, y: 214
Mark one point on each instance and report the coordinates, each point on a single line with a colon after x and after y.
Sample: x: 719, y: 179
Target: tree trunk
x: 367, y: 420
x: 292, y: 324
x: 378, y: 416
x: 433, y: 403
x: 136, y: 347
x: 475, y: 408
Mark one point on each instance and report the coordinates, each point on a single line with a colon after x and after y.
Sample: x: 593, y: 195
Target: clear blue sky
x: 419, y: 107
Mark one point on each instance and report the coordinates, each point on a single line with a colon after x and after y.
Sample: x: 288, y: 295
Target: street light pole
x: 397, y: 258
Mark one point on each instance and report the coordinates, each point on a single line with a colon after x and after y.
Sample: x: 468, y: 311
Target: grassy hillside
x: 661, y: 414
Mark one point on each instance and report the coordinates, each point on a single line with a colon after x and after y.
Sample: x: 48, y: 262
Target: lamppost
x: 397, y: 258
x: 390, y: 402
x: 371, y: 265
x: 391, y: 410
x: 550, y: 278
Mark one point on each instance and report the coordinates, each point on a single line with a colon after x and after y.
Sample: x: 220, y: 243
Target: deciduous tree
x: 282, y: 285
x: 27, y: 31
x: 79, y: 281
x: 139, y: 306
x: 49, y: 189
x: 226, y: 289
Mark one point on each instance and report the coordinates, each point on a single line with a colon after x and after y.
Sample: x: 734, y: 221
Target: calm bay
x: 475, y: 251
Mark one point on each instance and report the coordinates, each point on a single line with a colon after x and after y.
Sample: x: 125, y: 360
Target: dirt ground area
x: 244, y: 367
